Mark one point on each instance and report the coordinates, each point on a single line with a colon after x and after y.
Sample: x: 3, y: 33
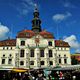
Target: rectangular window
x: 32, y: 53
x: 65, y: 61
x: 50, y: 53
x: 41, y: 53
x: 50, y: 62
x: 21, y: 62
x: 3, y: 61
x: 60, y: 61
x: 31, y: 62
x: 22, y: 43
x: 42, y: 62
x: 22, y: 53
x: 50, y: 43
x: 9, y: 61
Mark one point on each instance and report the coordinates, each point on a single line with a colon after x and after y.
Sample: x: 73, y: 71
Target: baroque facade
x: 34, y: 48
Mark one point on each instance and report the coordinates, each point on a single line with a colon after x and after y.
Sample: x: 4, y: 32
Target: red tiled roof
x: 60, y: 43
x: 25, y: 34
x: 46, y: 34
x: 30, y: 33
x: 8, y: 42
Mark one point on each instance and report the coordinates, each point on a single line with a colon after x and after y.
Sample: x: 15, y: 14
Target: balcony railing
x: 35, y: 46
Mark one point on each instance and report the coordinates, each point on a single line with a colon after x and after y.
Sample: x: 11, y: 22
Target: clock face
x: 37, y: 39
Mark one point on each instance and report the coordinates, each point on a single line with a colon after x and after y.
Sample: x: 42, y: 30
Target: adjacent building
x: 75, y: 58
x: 34, y: 48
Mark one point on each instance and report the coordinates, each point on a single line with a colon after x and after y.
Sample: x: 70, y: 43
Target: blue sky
x: 60, y: 17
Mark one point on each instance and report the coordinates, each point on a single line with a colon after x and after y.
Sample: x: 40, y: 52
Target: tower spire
x: 36, y: 22
x: 36, y: 8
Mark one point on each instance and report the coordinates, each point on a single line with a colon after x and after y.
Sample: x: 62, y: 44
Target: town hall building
x: 35, y: 48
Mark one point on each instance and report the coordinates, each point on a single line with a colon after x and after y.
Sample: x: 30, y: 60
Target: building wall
x: 30, y: 44
x: 9, y: 54
x: 76, y: 56
x: 64, y: 54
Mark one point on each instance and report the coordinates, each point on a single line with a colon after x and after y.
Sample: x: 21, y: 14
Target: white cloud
x: 3, y: 31
x: 29, y: 2
x: 73, y: 42
x: 61, y: 17
x: 25, y: 6
x: 68, y: 4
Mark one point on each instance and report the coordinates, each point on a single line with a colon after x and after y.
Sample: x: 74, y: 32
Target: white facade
x: 49, y: 59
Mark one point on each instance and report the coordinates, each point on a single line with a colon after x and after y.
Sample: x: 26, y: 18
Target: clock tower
x: 36, y: 22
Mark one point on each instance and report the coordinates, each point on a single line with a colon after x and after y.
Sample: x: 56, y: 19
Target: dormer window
x: 22, y: 43
x: 11, y: 47
x: 7, y: 47
x: 45, y: 35
x: 27, y: 34
x: 3, y: 48
x: 50, y: 43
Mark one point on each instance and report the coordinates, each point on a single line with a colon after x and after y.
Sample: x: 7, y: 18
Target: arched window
x: 50, y: 53
x: 22, y: 43
x: 22, y: 53
x: 37, y: 22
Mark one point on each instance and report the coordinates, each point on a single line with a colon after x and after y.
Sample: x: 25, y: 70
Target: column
x: 37, y: 56
x: 47, y: 57
x: 27, y: 58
